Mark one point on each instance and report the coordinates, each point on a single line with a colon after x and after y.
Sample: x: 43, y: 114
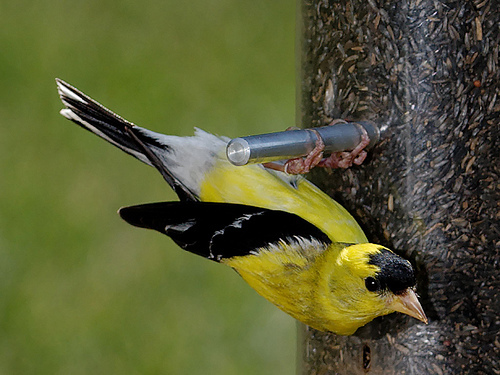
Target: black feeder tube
x: 430, y: 189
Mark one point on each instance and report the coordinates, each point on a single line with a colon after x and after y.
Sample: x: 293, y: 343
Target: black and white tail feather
x: 169, y: 154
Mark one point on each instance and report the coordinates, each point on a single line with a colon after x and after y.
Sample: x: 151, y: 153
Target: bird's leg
x: 304, y: 165
x: 346, y: 159
x: 301, y: 165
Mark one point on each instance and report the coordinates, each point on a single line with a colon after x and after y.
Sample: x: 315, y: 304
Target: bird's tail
x: 151, y: 148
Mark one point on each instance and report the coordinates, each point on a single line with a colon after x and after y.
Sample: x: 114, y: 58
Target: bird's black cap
x: 396, y: 274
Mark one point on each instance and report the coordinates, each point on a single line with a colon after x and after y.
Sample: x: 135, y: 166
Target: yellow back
x: 256, y: 186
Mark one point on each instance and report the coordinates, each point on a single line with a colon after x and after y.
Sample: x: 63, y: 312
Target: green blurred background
x: 81, y: 291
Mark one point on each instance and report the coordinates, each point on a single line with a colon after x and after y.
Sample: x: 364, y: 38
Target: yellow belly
x: 297, y: 280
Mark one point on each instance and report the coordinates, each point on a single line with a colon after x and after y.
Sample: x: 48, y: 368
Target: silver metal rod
x: 290, y: 144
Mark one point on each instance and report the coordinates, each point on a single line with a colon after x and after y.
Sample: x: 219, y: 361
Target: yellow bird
x: 287, y: 239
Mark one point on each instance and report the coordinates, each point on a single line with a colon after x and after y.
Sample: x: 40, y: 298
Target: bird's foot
x: 345, y: 159
x: 341, y: 159
x: 302, y: 165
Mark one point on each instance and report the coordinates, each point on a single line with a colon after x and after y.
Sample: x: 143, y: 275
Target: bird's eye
x: 371, y: 284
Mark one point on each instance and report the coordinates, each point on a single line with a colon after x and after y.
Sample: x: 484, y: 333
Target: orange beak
x: 407, y: 303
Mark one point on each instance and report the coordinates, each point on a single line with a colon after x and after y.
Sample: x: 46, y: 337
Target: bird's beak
x: 407, y: 303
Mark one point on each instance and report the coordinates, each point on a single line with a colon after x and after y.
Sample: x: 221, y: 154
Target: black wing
x: 221, y: 230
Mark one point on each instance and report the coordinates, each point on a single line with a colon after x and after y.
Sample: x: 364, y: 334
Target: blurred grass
x: 80, y: 291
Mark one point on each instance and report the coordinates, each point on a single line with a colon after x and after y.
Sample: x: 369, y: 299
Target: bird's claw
x: 304, y: 165
x: 301, y: 165
x: 345, y: 159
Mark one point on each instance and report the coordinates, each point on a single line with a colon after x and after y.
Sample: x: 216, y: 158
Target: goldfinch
x: 287, y: 239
